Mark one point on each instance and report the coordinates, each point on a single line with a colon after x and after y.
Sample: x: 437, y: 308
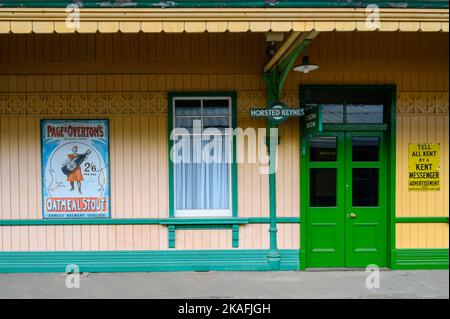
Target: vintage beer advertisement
x: 424, y: 161
x: 75, y: 169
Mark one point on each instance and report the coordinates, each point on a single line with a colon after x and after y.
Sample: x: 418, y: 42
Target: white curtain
x: 204, y: 186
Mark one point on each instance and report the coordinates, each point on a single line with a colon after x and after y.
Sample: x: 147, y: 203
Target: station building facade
x: 348, y: 195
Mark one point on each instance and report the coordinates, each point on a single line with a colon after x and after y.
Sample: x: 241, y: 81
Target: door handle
x: 352, y: 215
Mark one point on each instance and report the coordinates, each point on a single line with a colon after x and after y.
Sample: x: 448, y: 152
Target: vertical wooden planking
x: 118, y: 163
x: 163, y: 166
x: 128, y: 234
x: 154, y: 237
x: 135, y: 205
x: 125, y: 233
x: 112, y: 237
x: 23, y: 175
x: 85, y: 237
x: 103, y: 237
x: 146, y: 237
x: 145, y: 168
x: 5, y: 171
x: 76, y: 237
x: 94, y: 235
x: 14, y: 184
x: 137, y: 237
x: 152, y: 137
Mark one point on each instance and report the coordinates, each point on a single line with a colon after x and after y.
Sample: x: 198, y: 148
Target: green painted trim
x: 234, y: 167
x: 408, y: 220
x: 170, y: 97
x: 422, y: 259
x: 391, y: 180
x: 204, y: 221
x: 50, y: 222
x: 148, y: 221
x: 285, y: 66
x: 229, y: 4
x: 355, y: 127
x: 131, y: 261
x: 235, y: 236
x: 209, y: 226
x: 280, y: 220
x: 171, y: 236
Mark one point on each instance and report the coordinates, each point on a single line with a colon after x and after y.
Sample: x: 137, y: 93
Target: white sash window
x: 202, y: 166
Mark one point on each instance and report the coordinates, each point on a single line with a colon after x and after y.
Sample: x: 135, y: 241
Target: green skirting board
x: 189, y: 260
x: 422, y: 259
x: 133, y: 261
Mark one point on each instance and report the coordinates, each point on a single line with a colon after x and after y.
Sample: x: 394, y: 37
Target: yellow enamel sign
x: 424, y: 161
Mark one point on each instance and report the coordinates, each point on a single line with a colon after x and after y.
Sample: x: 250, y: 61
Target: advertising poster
x: 75, y: 169
x: 424, y: 161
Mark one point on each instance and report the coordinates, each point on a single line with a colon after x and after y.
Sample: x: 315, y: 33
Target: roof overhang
x: 197, y: 20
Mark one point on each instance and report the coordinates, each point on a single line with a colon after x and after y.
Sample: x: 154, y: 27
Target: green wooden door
x: 346, y: 200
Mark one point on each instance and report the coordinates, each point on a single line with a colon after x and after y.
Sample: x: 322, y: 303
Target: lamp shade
x: 306, y: 67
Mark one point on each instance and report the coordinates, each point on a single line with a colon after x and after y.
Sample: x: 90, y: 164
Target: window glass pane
x: 323, y: 149
x: 332, y: 113
x: 188, y: 122
x: 349, y: 105
x: 365, y: 114
x: 365, y: 149
x: 187, y: 107
x: 365, y: 187
x: 216, y: 122
x: 216, y: 107
x: 323, y: 187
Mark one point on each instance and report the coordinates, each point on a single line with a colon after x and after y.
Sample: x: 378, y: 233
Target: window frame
x: 202, y: 213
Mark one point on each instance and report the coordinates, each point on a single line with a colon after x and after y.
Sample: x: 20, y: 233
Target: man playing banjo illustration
x: 75, y: 174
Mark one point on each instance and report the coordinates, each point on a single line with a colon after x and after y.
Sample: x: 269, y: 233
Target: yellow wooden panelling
x: 26, y: 20
x: 126, y: 77
x: 136, y: 144
x: 83, y: 238
x: 422, y: 236
x: 203, y: 239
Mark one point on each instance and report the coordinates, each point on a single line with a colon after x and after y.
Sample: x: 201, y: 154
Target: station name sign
x: 277, y: 113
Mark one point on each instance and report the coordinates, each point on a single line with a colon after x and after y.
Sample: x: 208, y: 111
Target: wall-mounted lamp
x: 306, y: 67
x: 272, y: 49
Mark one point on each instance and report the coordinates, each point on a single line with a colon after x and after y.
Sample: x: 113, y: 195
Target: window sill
x: 205, y: 221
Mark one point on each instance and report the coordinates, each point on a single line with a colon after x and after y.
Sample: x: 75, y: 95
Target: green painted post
x: 275, y: 81
x: 273, y: 257
x: 272, y: 81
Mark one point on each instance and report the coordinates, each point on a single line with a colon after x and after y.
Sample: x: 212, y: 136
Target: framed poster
x: 423, y: 169
x: 75, y: 168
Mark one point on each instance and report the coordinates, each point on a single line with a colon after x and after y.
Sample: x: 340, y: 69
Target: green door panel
x: 346, y: 204
x: 325, y: 202
x: 366, y: 233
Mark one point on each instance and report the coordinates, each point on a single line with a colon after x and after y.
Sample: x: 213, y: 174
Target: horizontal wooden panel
x: 23, y: 20
x: 422, y: 235
x: 83, y: 238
